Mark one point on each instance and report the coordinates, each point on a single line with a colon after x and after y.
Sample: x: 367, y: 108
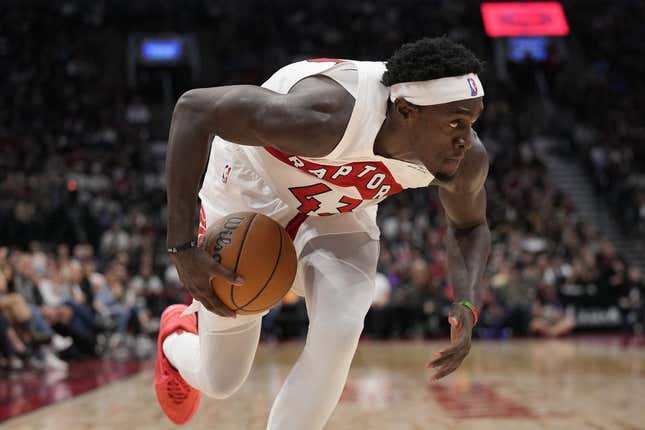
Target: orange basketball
x: 260, y: 250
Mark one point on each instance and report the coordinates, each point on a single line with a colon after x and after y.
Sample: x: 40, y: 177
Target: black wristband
x: 182, y: 247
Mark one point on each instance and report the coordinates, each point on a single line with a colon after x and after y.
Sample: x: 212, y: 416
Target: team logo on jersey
x: 226, y: 173
x: 473, y: 86
x: 363, y: 180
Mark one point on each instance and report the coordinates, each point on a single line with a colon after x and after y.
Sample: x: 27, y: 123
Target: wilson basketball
x: 260, y: 250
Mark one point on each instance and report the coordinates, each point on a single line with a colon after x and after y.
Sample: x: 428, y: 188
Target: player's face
x: 444, y: 133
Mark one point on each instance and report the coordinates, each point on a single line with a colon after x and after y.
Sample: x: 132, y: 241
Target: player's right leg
x: 338, y: 276
x: 214, y: 359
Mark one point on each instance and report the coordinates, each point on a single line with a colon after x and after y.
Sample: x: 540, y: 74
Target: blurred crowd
x: 82, y: 203
x: 601, y: 92
x: 546, y: 260
x: 57, y: 305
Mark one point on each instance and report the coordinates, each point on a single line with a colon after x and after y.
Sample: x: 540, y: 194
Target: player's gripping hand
x: 449, y: 359
x: 196, y: 268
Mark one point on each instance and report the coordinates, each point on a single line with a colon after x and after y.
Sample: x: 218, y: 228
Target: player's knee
x: 220, y: 387
x: 342, y: 332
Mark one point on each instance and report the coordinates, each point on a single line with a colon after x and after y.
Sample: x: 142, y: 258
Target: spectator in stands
x: 287, y: 320
x: 428, y: 297
x: 126, y: 307
x: 493, y: 321
x: 632, y: 303
x: 507, y: 287
x: 27, y: 319
x: 113, y: 241
x: 75, y: 318
x: 378, y: 321
x: 110, y: 298
x: 145, y: 289
x: 23, y: 296
x: 548, y: 317
x: 10, y: 346
x: 137, y: 113
x: 404, y: 309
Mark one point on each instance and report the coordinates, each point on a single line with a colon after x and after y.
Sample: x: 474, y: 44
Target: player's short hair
x: 430, y: 58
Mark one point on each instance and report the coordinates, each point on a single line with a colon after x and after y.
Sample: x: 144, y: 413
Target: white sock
x: 219, y: 362
x: 182, y: 350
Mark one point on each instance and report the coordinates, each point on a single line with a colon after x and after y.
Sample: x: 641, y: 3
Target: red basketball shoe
x: 177, y: 399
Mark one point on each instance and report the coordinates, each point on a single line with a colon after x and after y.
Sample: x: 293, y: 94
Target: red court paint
x: 477, y: 401
x: 22, y: 392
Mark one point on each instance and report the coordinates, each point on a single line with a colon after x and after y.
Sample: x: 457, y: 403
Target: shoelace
x: 177, y: 390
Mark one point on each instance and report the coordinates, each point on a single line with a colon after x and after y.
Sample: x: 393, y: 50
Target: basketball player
x: 316, y: 148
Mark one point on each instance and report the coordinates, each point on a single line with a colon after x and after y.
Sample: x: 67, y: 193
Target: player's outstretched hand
x: 196, y: 268
x: 449, y: 359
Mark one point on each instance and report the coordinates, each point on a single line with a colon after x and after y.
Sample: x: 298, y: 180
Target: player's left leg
x: 218, y: 359
x: 339, y: 274
x: 214, y: 359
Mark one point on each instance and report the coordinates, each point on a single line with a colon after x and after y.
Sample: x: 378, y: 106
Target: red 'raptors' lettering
x: 372, y: 180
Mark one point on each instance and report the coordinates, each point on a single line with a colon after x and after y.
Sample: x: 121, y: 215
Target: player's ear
x: 405, y: 110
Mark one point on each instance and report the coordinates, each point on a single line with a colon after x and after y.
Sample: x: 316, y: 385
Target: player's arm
x: 468, y: 244
x: 308, y: 121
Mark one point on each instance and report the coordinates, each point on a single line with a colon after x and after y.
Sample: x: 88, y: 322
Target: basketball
x: 260, y: 250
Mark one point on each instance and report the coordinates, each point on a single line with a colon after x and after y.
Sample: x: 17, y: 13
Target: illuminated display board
x: 524, y: 19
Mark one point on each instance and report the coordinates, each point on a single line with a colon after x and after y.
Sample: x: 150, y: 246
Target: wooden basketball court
x: 569, y: 384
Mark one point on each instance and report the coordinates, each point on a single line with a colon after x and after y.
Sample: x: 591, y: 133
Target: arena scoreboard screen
x: 535, y: 48
x: 161, y: 50
x: 524, y: 19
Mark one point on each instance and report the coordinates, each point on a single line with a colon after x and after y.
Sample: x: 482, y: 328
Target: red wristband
x: 472, y: 308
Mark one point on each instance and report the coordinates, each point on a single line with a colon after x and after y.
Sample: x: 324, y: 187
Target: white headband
x: 438, y: 91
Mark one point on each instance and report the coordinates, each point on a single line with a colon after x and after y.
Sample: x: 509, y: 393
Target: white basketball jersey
x: 351, y: 179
